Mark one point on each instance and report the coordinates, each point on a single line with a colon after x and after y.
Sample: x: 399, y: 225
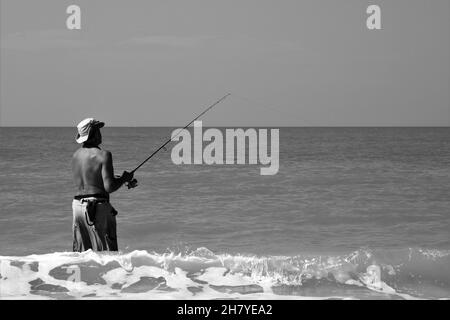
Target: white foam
x: 190, y: 276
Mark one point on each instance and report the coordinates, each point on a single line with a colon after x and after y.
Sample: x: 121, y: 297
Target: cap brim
x: 98, y: 124
x: 82, y: 139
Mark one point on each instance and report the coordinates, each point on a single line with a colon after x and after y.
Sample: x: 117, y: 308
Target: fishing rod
x: 170, y: 139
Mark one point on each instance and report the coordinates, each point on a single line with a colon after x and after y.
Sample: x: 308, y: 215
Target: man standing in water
x: 94, y: 219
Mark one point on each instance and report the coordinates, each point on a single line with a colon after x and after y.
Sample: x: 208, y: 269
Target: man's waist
x: 98, y: 196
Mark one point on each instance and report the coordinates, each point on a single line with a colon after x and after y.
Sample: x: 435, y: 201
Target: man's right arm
x: 110, y: 182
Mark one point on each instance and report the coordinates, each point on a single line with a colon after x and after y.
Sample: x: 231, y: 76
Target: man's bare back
x: 93, y: 170
x: 87, y: 168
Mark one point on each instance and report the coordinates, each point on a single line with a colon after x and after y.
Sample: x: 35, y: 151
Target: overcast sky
x: 286, y: 63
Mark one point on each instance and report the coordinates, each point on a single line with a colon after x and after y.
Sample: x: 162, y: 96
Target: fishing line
x: 260, y: 104
x: 179, y: 131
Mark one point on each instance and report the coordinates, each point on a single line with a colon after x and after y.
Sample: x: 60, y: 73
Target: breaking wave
x: 201, y: 274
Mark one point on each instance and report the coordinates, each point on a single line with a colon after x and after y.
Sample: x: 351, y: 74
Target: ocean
x: 353, y: 213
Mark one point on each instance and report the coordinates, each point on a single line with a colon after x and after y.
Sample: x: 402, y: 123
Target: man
x: 94, y: 221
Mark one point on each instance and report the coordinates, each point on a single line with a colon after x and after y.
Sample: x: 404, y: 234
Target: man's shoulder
x: 105, y: 154
x: 81, y: 152
x: 76, y: 153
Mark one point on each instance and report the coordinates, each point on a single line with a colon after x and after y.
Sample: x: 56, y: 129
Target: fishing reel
x: 132, y: 184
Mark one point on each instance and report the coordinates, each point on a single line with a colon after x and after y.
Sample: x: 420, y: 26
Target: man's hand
x: 127, y: 176
x: 127, y: 179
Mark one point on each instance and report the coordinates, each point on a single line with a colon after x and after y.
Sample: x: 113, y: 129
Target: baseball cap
x: 84, y: 128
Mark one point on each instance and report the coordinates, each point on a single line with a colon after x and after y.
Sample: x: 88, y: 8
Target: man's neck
x: 87, y: 145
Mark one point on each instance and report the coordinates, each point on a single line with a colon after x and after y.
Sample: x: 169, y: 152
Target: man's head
x: 89, y: 131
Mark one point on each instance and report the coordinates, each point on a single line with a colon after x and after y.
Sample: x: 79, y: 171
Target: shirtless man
x: 94, y: 219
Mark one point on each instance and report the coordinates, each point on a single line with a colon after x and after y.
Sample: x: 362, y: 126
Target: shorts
x: 98, y: 235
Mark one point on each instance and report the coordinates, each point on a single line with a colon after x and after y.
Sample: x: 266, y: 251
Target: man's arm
x: 110, y: 182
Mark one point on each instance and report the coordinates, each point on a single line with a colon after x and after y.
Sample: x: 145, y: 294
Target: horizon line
x: 248, y: 126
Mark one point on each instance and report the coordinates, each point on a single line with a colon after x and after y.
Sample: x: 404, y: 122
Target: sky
x: 285, y: 63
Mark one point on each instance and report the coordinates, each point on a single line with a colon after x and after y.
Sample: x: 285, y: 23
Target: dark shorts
x: 98, y: 235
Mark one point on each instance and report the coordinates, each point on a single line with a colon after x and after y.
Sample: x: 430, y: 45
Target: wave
x: 202, y: 274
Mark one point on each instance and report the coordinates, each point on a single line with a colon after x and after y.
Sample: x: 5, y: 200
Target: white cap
x: 84, y: 128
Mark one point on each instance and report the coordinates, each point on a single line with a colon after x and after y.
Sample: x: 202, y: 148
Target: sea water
x: 352, y: 213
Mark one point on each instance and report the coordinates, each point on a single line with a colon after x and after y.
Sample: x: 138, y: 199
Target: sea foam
x: 201, y: 274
